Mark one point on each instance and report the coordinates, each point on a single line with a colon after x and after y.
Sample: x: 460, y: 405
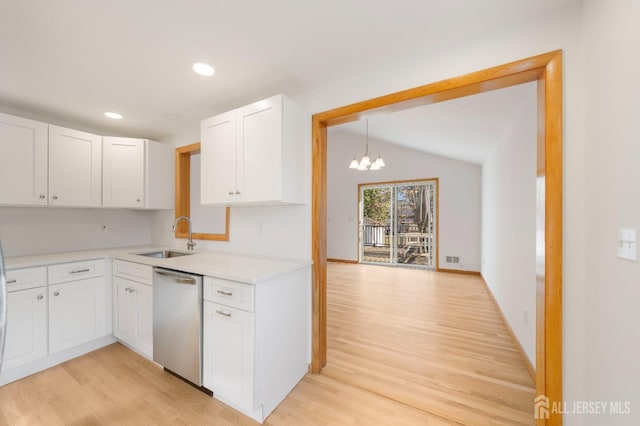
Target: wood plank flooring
x: 433, y: 341
x: 406, y: 347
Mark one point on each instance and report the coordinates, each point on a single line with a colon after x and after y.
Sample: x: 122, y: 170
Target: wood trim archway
x: 546, y: 69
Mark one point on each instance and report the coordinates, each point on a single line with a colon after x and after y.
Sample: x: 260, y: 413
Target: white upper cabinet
x: 137, y: 173
x: 23, y: 161
x: 218, y: 150
x: 75, y: 168
x: 123, y: 172
x: 254, y: 155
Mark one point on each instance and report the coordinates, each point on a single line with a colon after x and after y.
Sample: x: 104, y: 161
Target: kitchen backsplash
x: 36, y: 230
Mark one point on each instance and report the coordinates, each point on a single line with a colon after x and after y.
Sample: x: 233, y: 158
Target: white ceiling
x: 72, y: 60
x: 464, y: 128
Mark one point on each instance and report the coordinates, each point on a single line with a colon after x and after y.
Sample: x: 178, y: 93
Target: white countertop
x: 236, y: 267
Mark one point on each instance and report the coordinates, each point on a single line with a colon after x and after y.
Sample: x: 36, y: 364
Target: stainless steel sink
x: 164, y: 254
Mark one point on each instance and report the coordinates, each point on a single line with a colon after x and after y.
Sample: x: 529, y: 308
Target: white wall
x: 509, y: 222
x: 35, y: 230
x: 459, y: 209
x: 612, y: 67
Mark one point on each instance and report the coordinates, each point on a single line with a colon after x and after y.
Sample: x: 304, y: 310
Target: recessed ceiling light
x: 113, y: 115
x: 203, y: 69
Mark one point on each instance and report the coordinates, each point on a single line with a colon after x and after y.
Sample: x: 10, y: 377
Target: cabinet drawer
x: 133, y: 271
x: 66, y: 272
x: 229, y: 293
x: 22, y: 279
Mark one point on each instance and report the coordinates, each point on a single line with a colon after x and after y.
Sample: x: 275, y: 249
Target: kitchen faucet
x: 190, y: 243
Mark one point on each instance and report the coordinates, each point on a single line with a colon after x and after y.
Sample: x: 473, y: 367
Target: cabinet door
x: 228, y: 351
x: 26, y: 338
x: 260, y: 151
x: 218, y: 167
x: 133, y: 314
x: 23, y: 161
x: 123, y: 172
x: 144, y: 318
x: 124, y: 318
x: 76, y: 313
x: 75, y: 168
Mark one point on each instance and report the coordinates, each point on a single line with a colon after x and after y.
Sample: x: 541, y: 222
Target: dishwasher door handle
x: 180, y: 279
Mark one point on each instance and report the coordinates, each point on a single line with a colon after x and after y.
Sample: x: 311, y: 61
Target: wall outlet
x: 449, y: 259
x: 456, y: 259
x: 627, y: 244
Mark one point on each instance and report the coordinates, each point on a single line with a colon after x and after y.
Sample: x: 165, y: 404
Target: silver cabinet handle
x: 40, y: 297
x: 79, y: 271
x: 42, y: 197
x: 12, y: 281
x: 225, y: 293
x: 224, y: 314
x: 132, y: 290
x: 56, y: 293
x: 55, y: 197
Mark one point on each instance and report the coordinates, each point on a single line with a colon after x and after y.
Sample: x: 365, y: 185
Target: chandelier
x: 363, y: 162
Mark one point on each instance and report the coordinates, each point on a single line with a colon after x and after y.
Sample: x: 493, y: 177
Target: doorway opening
x: 398, y: 223
x: 546, y: 70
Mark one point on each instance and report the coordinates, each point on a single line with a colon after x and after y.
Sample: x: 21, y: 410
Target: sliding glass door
x: 398, y: 224
x: 376, y: 218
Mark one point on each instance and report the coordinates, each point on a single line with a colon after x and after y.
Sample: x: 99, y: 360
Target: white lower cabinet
x: 228, y: 350
x: 76, y: 313
x: 255, y: 340
x: 26, y: 338
x: 133, y: 314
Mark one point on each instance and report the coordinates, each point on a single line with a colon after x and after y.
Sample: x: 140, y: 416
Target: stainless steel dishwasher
x: 177, y: 323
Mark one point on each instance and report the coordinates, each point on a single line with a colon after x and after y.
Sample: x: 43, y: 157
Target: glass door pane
x: 415, y: 224
x: 376, y: 218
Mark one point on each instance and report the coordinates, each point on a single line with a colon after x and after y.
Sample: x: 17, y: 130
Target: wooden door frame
x: 546, y: 69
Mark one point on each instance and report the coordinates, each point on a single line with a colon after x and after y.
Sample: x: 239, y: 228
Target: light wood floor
x: 433, y: 341
x: 405, y: 348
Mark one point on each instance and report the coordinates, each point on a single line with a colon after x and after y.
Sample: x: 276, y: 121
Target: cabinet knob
x: 40, y: 297
x: 56, y: 293
x: 230, y: 192
x: 137, y: 200
x: 55, y: 197
x: 42, y: 197
x: 237, y: 192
